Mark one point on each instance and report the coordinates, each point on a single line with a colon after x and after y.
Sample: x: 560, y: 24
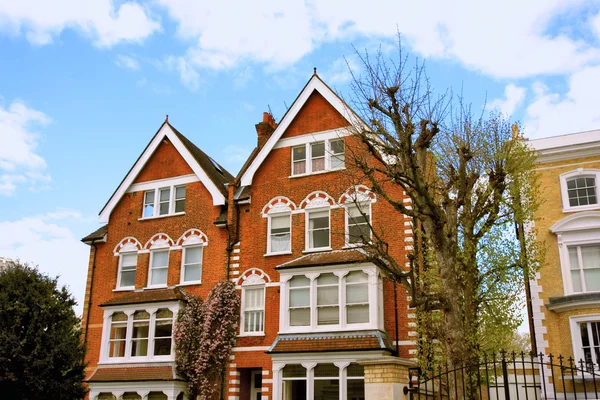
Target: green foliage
x: 41, y: 351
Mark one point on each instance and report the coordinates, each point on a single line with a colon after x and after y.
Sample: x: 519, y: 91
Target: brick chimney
x: 265, y: 128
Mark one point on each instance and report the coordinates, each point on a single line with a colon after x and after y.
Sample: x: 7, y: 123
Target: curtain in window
x: 280, y: 233
x: 254, y: 310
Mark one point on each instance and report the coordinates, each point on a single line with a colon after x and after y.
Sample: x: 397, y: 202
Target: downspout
x: 230, y: 242
x: 396, y: 311
x: 89, y: 306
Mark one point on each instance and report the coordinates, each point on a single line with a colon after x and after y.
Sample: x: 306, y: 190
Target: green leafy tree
x: 41, y: 351
x: 470, y: 178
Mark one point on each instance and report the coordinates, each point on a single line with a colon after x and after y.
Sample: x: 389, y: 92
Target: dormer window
x: 164, y: 201
x: 579, y: 190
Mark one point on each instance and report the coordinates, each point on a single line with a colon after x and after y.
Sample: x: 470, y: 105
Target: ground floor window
x: 325, y: 381
x: 590, y: 344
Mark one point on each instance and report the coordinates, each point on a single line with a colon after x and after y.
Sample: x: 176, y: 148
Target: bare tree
x: 469, y: 178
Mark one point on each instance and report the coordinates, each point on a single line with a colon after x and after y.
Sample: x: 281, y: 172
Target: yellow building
x: 566, y: 292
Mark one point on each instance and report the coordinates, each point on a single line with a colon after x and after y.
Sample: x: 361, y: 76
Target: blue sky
x: 85, y: 85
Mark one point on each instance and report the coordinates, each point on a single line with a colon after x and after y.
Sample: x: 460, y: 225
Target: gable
x: 165, y: 162
x: 318, y: 93
x: 207, y: 171
x: 316, y: 115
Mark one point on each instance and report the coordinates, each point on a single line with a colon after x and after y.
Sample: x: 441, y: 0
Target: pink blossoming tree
x: 204, y: 336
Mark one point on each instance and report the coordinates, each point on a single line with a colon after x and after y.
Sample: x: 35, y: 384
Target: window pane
x: 162, y: 347
x: 327, y: 295
x: 356, y: 389
x: 165, y: 194
x: 140, y: 315
x: 294, y: 371
x: 164, y: 208
x: 300, y: 280
x: 193, y: 255
x: 592, y: 280
x: 355, y: 369
x: 160, y: 259
x: 159, y: 277
x: 357, y: 293
x: 300, y: 317
x: 157, y: 396
x: 357, y: 276
x: 337, y: 161
x: 131, y: 396
x: 192, y: 273
x: 127, y: 278
x: 180, y: 192
x: 253, y: 321
x: 280, y: 243
x: 327, y: 389
x: 163, y: 329
x: 180, y: 205
x: 148, y: 210
x: 129, y: 260
x: 317, y: 149
x: 328, y: 315
x: 254, y: 298
x: 576, y: 279
x: 318, y: 164
x: 299, y: 153
x: 327, y: 279
x: 358, y: 233
x: 280, y: 224
x: 319, y: 239
x: 319, y: 220
x: 337, y: 146
x: 590, y: 256
x: 573, y: 260
x: 326, y: 371
x: 299, y: 297
x: 299, y: 167
x: 357, y: 314
x: 164, y: 313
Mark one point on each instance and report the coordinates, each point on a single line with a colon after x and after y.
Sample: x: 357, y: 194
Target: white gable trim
x: 315, y: 83
x: 165, y: 131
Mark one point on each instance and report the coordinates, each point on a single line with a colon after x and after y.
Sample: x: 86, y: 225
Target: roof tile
x: 347, y: 341
x: 327, y: 258
x: 147, y: 296
x: 133, y: 373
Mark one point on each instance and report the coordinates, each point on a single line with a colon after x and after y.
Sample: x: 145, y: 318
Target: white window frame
x: 172, y: 188
x: 150, y: 267
x: 341, y: 360
x: 375, y: 299
x: 576, y: 335
x: 307, y: 213
x: 275, y: 215
x: 129, y: 310
x: 580, y: 172
x: 328, y: 156
x: 580, y: 268
x: 182, y: 274
x: 347, y: 207
x: 243, y: 331
x: 120, y: 270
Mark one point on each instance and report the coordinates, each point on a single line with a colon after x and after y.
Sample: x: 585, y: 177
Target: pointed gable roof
x: 212, y: 175
x: 314, y: 84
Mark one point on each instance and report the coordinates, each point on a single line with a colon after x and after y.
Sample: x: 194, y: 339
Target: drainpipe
x: 396, y: 311
x: 230, y: 242
x: 89, y: 307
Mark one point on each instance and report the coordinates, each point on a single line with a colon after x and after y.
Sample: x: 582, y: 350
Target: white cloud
x: 47, y: 241
x: 188, y: 74
x: 339, y: 71
x: 513, y: 97
x: 501, y: 39
x: 19, y: 160
x: 552, y: 114
x: 107, y: 25
x: 127, y: 62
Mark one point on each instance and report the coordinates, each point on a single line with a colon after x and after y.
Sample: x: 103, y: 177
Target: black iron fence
x: 508, y: 377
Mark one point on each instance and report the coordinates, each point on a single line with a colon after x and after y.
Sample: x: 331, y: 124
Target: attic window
x: 324, y: 155
x: 164, y: 201
x: 217, y: 166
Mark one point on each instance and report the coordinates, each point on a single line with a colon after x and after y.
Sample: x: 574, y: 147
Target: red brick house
x: 287, y: 231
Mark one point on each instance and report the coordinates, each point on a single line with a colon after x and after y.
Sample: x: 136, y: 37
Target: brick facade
x: 238, y: 249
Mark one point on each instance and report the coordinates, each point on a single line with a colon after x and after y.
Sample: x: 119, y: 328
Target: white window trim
x: 156, y: 211
x: 347, y: 214
x: 121, y: 254
x: 374, y: 296
x: 308, y: 150
x: 307, y: 213
x: 151, y: 308
x: 152, y: 251
x: 342, y: 360
x: 564, y: 192
x: 269, y: 216
x: 182, y: 272
x: 576, y: 334
x: 243, y: 310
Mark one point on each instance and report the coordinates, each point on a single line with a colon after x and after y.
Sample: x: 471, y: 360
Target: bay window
x: 294, y: 379
x: 318, y: 229
x: 340, y: 300
x: 584, y: 264
x: 324, y: 380
x: 138, y: 334
x: 159, y: 268
x: 280, y: 237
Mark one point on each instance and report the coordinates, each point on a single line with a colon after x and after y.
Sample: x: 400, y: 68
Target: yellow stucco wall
x: 551, y: 279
